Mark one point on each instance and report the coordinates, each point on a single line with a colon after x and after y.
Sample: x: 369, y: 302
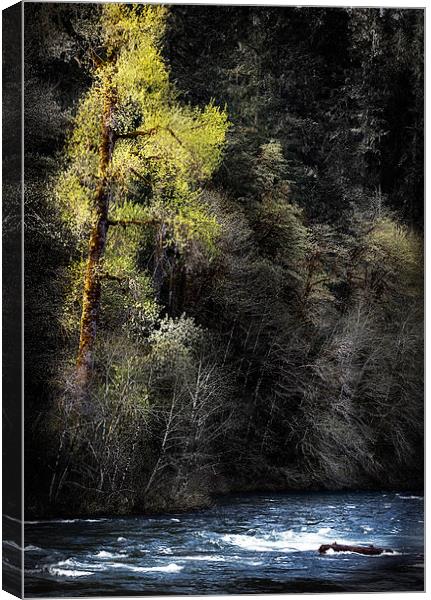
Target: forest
x: 223, y: 253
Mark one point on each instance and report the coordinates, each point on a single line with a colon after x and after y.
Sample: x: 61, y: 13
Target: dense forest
x: 223, y: 252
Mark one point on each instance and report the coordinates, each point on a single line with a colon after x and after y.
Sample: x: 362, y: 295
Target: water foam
x: 283, y: 541
x: 384, y: 553
x: 410, y: 497
x: 92, y: 520
x: 105, y: 554
x: 47, y: 521
x: 76, y: 564
x: 367, y: 529
x: 209, y: 558
x: 324, y: 530
x: 170, y: 568
x: 68, y: 572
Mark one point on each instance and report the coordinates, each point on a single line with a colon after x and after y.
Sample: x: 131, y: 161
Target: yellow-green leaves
x: 136, y: 150
x: 175, y: 145
x: 192, y: 224
x: 124, y: 24
x: 75, y: 203
x: 162, y: 150
x: 141, y: 72
x: 83, y: 145
x: 394, y: 257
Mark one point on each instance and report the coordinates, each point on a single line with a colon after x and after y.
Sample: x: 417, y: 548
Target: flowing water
x: 243, y: 544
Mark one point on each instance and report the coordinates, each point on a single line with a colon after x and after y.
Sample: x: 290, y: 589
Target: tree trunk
x: 97, y: 243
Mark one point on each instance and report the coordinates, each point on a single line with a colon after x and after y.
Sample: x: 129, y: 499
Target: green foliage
x: 264, y: 330
x: 282, y: 233
x: 271, y: 166
x: 155, y: 174
x: 161, y: 153
x: 394, y: 257
x: 75, y: 205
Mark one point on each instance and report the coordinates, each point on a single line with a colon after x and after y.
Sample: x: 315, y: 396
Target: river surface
x: 243, y: 544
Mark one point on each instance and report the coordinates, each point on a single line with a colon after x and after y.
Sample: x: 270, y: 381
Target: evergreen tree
x: 136, y: 158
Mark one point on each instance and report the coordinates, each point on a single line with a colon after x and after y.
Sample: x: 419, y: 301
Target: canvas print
x: 223, y: 299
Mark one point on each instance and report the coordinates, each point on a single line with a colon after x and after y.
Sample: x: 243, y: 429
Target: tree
x: 136, y: 158
x: 261, y: 331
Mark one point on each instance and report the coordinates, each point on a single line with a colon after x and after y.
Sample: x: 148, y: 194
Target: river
x: 243, y: 544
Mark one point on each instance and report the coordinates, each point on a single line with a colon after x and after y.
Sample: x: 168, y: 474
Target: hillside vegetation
x: 224, y: 253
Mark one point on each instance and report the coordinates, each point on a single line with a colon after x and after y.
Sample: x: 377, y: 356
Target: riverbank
x: 199, y: 501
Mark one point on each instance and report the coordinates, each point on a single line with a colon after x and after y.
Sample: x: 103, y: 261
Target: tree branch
x: 148, y: 133
x: 125, y: 222
x: 138, y: 133
x: 135, y: 172
x: 174, y: 135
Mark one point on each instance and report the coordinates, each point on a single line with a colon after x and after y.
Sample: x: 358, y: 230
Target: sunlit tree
x: 136, y: 161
